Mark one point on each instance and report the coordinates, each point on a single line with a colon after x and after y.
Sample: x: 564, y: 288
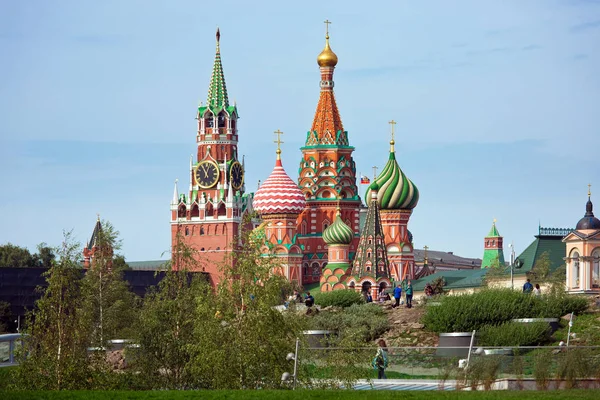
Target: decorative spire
x: 278, y: 141
x: 589, y: 190
x: 371, y: 256
x: 217, y: 91
x: 327, y: 128
x: 494, y: 231
x: 392, y: 142
x: 327, y: 58
x: 175, y: 193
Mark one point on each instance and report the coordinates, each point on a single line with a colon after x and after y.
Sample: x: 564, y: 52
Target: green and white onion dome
x: 338, y: 232
x: 394, y: 190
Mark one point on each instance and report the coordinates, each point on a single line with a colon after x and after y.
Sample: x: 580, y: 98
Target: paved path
x: 402, y: 384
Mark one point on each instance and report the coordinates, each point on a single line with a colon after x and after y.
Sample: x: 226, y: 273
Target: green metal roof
x: 454, y: 279
x: 493, y: 231
x: 553, y: 245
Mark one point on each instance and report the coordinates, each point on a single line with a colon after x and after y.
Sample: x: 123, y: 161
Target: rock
x: 417, y: 325
x: 398, y: 322
x: 566, y: 317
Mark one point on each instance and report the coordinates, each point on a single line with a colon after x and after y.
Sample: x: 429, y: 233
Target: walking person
x: 397, y: 295
x: 527, y: 287
x: 380, y: 362
x: 409, y: 295
x: 537, y: 291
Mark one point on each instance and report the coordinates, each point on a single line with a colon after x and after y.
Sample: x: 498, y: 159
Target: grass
x: 4, y: 377
x: 586, y: 328
x: 301, y: 395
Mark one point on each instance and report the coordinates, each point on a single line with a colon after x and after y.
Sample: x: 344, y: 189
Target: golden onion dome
x: 327, y: 58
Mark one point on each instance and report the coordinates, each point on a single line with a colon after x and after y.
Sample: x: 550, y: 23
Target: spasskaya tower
x: 208, y: 216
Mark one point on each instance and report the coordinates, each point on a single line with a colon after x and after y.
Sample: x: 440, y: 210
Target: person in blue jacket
x: 397, y: 295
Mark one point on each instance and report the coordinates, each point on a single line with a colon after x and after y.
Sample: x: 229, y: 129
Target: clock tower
x: 208, y: 216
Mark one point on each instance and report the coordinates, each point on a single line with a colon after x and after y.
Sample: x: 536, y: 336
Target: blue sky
x: 496, y: 102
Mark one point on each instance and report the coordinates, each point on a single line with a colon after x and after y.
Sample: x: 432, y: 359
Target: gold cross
x: 494, y: 221
x: 589, y: 189
x: 327, y: 22
x: 392, y: 123
x: 374, y: 173
x: 278, y: 141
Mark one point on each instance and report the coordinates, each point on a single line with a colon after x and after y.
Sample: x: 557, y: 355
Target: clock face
x: 236, y: 175
x: 207, y: 174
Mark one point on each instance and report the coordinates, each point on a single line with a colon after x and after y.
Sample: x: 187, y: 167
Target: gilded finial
x: 375, y: 173
x: 392, y: 142
x: 494, y: 221
x: 327, y: 58
x: 278, y: 141
x: 589, y: 190
x: 98, y: 215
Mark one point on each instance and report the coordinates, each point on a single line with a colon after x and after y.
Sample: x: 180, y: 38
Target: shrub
x: 363, y: 322
x: 514, y: 334
x: 469, y: 312
x: 338, y: 298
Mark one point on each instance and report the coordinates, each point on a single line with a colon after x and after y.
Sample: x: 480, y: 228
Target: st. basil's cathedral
x: 318, y: 228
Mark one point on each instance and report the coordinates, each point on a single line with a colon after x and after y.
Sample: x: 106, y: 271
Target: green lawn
x: 302, y: 395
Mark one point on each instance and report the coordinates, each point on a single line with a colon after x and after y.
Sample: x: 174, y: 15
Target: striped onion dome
x: 394, y: 190
x: 338, y: 232
x: 279, y: 194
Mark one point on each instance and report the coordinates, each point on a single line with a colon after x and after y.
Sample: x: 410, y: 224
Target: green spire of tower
x: 217, y: 91
x: 493, y: 253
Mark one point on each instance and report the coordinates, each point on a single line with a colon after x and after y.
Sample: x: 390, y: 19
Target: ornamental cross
x: 589, y: 189
x: 278, y: 140
x: 393, y: 124
x: 374, y: 173
x: 327, y: 22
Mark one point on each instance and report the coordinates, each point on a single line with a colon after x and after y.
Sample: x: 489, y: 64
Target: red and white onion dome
x: 279, y: 194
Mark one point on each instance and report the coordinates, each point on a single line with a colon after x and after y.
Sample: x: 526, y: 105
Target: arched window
x: 201, y: 230
x: 222, y: 120
x: 596, y: 268
x: 195, y: 211
x: 187, y: 231
x: 576, y: 268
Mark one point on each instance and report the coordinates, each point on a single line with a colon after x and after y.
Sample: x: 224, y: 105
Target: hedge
x: 338, y: 298
x: 468, y: 312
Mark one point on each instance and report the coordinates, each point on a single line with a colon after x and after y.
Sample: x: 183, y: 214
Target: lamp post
x: 512, y: 265
x: 292, y: 356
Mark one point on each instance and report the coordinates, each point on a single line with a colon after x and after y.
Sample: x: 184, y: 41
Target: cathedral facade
x: 312, y: 226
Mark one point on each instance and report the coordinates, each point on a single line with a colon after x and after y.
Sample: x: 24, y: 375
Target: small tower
x: 94, y: 245
x: 338, y: 237
x: 279, y: 201
x: 583, y: 253
x: 397, y: 196
x: 493, y: 253
x: 371, y: 270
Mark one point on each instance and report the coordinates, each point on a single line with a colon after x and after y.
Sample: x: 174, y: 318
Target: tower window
x: 187, y: 231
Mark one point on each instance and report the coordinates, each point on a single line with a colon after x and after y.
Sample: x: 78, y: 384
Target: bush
x: 338, y: 298
x: 469, y: 312
x: 363, y: 322
x: 514, y: 334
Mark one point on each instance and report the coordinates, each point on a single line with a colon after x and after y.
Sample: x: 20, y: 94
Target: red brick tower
x: 209, y: 216
x: 327, y: 173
